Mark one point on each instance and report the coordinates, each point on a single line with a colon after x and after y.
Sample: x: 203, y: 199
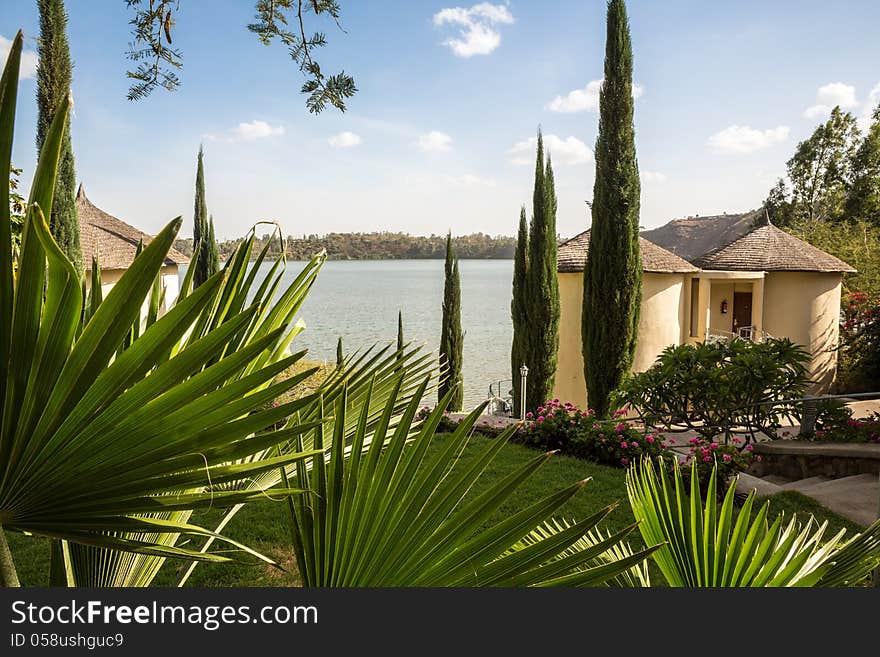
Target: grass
x: 263, y: 525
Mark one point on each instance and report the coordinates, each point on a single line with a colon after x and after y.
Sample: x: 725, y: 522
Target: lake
x: 359, y: 300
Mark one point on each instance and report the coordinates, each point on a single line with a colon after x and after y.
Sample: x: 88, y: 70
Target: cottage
x: 114, y: 242
x: 721, y: 276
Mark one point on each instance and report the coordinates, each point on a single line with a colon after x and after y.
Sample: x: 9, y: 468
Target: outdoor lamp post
x: 523, y: 376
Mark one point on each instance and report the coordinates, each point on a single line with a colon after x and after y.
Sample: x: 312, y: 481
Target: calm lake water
x: 359, y: 300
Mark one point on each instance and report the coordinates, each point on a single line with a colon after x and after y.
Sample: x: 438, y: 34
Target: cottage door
x: 742, y: 310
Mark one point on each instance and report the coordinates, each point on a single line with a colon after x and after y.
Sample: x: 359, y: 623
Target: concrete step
x: 779, y: 480
x: 746, y: 483
x: 856, y: 497
x: 805, y: 485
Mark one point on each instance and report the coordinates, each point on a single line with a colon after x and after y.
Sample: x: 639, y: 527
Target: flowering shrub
x: 579, y: 433
x: 731, y: 458
x: 861, y: 430
x: 860, y: 342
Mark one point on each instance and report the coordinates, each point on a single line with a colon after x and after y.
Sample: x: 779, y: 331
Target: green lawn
x: 263, y: 525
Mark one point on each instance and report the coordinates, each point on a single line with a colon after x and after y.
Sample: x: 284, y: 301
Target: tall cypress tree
x: 542, y: 286
x: 54, y: 73
x: 519, y: 307
x: 207, y: 263
x: 613, y: 272
x: 451, y: 337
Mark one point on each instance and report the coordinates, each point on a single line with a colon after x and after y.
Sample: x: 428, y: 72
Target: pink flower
x: 621, y: 427
x: 624, y: 445
x: 624, y: 461
x: 713, y: 445
x: 550, y: 414
x: 529, y: 415
x: 726, y: 457
x: 555, y: 401
x: 634, y: 444
x: 572, y: 422
x: 540, y: 418
x: 758, y: 458
x: 619, y: 412
x: 748, y: 448
x: 694, y: 441
x: 650, y: 439
x: 707, y: 459
x: 531, y: 425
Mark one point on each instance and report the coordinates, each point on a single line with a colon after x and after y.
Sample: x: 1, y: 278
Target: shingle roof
x: 112, y: 240
x: 767, y: 248
x: 572, y: 256
x: 692, y: 237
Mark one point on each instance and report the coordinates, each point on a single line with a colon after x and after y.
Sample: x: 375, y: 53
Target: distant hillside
x: 377, y: 246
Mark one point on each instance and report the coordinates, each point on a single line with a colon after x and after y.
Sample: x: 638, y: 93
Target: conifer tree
x: 613, y: 271
x: 208, y: 260
x: 519, y: 307
x: 54, y: 72
x: 339, y: 357
x: 542, y: 286
x: 451, y: 336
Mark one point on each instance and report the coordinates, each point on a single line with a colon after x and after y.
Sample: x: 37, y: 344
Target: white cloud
x: 744, y: 139
x: 586, y: 99
x: 477, y: 33
x: 29, y: 59
x: 470, y: 180
x: 256, y: 130
x: 652, y: 176
x: 344, y: 139
x: 434, y: 142
x: 829, y: 96
x: 570, y: 150
x: 870, y: 105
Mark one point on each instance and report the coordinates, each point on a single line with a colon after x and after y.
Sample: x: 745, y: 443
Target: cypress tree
x: 54, y: 73
x: 339, y: 357
x: 399, y: 337
x: 451, y: 337
x: 519, y: 307
x: 207, y: 263
x: 543, y: 287
x: 613, y: 272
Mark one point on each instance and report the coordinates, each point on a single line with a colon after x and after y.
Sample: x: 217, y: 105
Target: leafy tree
x: 613, y: 271
x: 864, y: 197
x: 821, y: 169
x: 158, y: 60
x: 854, y: 242
x: 208, y: 261
x: 777, y: 204
x: 542, y: 286
x: 53, y: 88
x: 451, y: 336
x: 519, y: 308
x: 17, y: 209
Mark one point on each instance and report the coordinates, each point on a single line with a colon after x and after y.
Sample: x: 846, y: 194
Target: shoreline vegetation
x: 374, y: 246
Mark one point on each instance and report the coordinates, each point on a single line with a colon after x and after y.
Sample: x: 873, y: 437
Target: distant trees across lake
x: 376, y: 246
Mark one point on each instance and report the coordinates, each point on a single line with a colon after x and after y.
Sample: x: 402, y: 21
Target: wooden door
x: 742, y: 310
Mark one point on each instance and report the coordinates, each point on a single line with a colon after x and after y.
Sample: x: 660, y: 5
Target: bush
x: 730, y: 458
x: 860, y: 342
x: 851, y: 430
x: 579, y: 433
x: 714, y: 388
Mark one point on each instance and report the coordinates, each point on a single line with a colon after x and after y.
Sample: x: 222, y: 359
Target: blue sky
x: 438, y: 135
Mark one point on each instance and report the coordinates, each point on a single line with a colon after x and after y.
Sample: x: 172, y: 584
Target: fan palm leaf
x: 706, y: 545
x: 93, y: 438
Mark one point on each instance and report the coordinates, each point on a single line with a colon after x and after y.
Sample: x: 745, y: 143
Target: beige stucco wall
x: 661, y: 324
x: 170, y: 279
x: 805, y: 307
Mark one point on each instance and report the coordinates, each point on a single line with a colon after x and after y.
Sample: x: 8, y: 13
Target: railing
x: 742, y: 333
x: 500, y: 397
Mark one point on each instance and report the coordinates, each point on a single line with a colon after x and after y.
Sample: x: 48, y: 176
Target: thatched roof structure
x: 767, y: 248
x: 573, y: 256
x: 111, y: 239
